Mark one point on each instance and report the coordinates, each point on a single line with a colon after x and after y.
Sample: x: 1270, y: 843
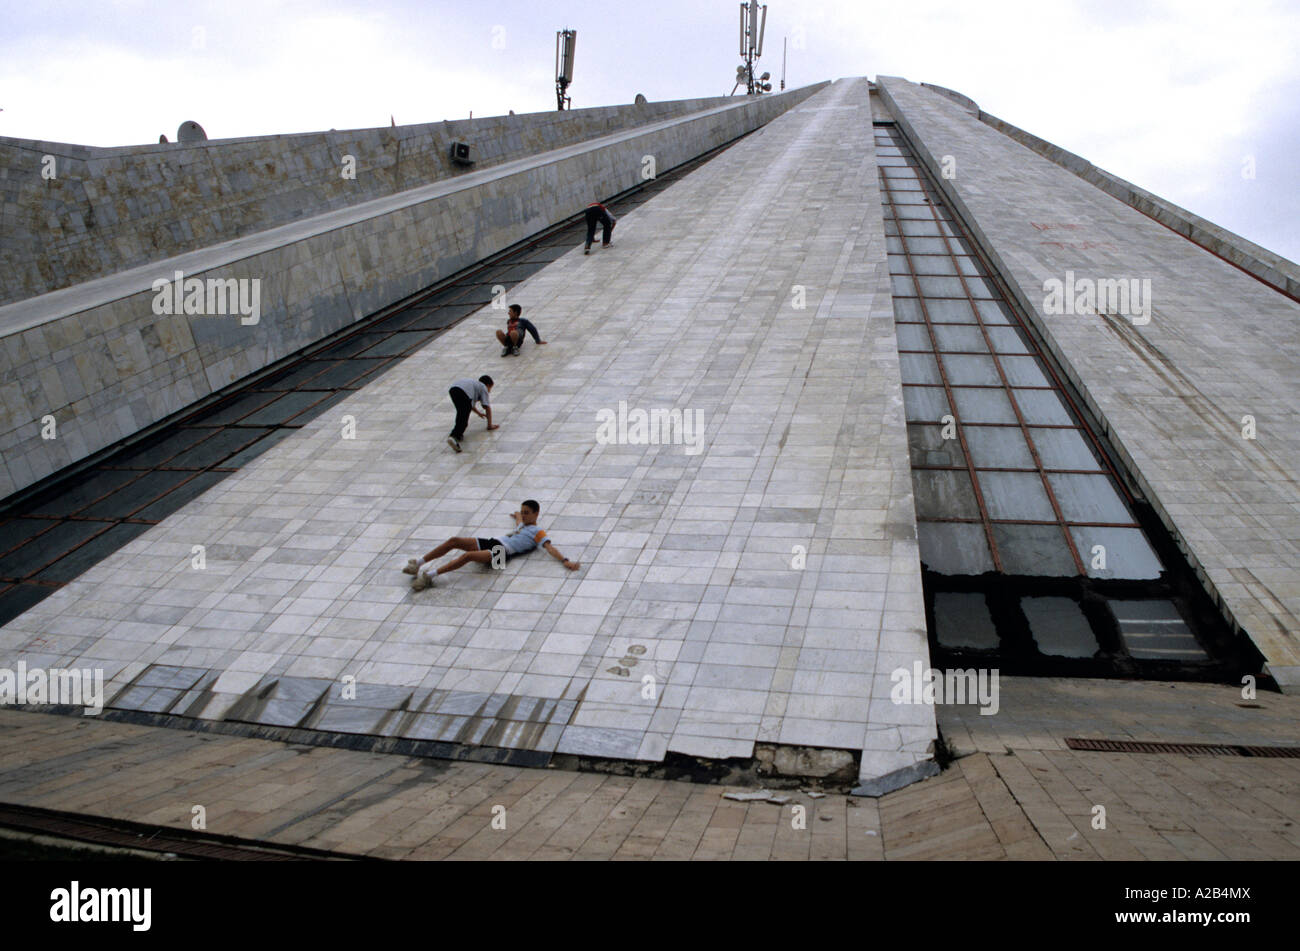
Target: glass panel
x: 919, y: 368
x: 47, y: 547
x: 1018, y: 495
x: 923, y: 228
x: 1125, y: 553
x: 991, y: 311
x: 917, y: 211
x: 970, y: 370
x: 1007, y: 340
x: 1088, y: 498
x: 1154, y: 630
x: 981, y: 287
x: 889, y: 161
x: 904, y: 184
x: 926, y: 246
x: 894, y: 245
x: 909, y: 198
x: 998, y: 447
x: 961, y: 620
x: 92, y: 486
x: 239, y: 405
x: 1023, y: 371
x: 968, y: 265
x: 891, y: 226
x: 983, y: 406
x: 1042, y: 406
x: 954, y: 548
x: 20, y: 530
x: 154, y: 451
x: 1034, y: 550
x: 929, y: 448
x: 136, y: 495
x: 950, y: 311
x: 892, y: 173
x: 1059, y: 626
x: 912, y: 337
x: 959, y: 245
x: 940, y: 287
x: 898, y: 264
x: 944, y: 493
x: 222, y: 444
x: 933, y: 264
x: 902, y: 286
x: 1063, y: 449
x: 926, y: 404
x: 284, y: 409
x: 182, y: 495
x: 98, y: 548
x: 907, y: 310
x: 961, y: 338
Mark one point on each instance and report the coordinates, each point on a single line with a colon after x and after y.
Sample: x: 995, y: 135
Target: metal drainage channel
x: 1185, y: 749
x: 53, y: 531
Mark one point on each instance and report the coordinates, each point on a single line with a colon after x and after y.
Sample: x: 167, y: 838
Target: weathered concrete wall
x: 111, y: 209
x: 98, y: 359
x: 1171, y: 394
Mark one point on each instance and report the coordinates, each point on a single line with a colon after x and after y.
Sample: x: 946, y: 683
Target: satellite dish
x: 191, y: 131
x: 640, y: 100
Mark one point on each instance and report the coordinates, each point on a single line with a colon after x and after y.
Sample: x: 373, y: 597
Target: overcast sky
x: 1178, y: 96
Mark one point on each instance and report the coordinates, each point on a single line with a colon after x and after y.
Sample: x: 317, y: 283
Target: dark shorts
x: 487, y: 544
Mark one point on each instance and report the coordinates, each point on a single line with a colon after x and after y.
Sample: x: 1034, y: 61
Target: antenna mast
x: 566, y: 42
x: 753, y: 24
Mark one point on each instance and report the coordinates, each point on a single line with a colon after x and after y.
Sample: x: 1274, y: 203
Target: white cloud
x: 1169, y: 94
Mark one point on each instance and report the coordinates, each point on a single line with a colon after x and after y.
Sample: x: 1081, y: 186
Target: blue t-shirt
x: 523, y: 539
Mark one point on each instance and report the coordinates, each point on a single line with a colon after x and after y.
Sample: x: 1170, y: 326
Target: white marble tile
x: 687, y: 558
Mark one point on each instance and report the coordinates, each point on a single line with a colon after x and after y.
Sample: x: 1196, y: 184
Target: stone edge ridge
x: 21, y: 315
x: 1262, y: 264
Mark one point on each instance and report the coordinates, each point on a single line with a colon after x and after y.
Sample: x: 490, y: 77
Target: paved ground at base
x: 1024, y: 796
x: 1038, y: 713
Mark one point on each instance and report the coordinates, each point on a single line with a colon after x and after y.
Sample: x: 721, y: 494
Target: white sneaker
x: 422, y: 581
x: 454, y: 443
x: 412, y: 567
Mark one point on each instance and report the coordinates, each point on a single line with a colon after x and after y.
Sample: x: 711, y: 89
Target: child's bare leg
x: 459, y: 543
x: 482, y: 557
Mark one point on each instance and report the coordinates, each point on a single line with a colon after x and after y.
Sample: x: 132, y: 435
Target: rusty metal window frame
x: 1225, y: 650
